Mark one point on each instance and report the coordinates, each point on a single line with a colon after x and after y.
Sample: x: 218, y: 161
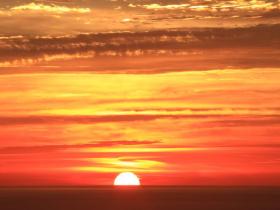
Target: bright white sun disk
x: 127, y: 179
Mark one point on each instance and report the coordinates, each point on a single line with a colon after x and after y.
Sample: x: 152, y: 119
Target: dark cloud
x: 242, y: 122
x: 227, y: 119
x: 50, y: 148
x: 256, y: 46
x: 121, y: 43
x: 202, y: 110
x: 22, y: 120
x: 272, y: 14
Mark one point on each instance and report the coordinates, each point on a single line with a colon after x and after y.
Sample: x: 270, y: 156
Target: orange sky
x: 191, y: 103
x: 189, y: 125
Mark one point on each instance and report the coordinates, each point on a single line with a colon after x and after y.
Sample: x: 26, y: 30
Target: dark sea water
x: 146, y: 198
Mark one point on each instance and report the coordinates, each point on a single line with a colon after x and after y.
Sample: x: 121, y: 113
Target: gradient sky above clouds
x: 179, y: 92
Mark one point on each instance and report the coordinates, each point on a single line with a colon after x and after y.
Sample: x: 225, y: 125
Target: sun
x: 127, y: 179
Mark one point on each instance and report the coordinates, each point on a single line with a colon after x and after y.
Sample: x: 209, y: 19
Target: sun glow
x: 127, y: 179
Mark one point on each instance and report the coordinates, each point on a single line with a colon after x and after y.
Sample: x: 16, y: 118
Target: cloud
x: 249, y: 122
x: 227, y: 121
x: 189, y: 7
x: 55, y: 1
x: 52, y: 148
x: 23, y: 120
x: 164, y: 7
x: 191, y: 45
x: 275, y: 13
x: 50, y: 8
x: 134, y: 164
x: 54, y: 17
x: 215, y: 7
x: 58, y: 19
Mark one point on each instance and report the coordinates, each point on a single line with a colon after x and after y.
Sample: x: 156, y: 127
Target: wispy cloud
x: 53, y: 148
x: 210, y: 6
x: 50, y: 8
x: 163, y: 7
x: 107, y: 16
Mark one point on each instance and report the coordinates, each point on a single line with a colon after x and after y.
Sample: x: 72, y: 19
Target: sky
x: 178, y: 92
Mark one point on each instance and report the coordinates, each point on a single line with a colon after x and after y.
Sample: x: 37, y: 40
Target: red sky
x: 194, y: 102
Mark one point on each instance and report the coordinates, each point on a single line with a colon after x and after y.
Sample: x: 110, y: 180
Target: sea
x: 143, y: 197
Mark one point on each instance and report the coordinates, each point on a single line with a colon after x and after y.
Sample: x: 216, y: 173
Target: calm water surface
x: 148, y: 198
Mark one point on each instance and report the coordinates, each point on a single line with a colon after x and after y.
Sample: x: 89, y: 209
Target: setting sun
x: 127, y: 179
